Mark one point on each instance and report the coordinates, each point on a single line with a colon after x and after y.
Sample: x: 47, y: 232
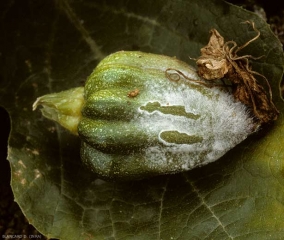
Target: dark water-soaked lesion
x: 179, y: 138
x: 173, y: 110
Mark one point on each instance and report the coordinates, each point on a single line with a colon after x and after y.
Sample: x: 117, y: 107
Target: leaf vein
x: 195, y: 189
x: 161, y: 208
x: 66, y: 8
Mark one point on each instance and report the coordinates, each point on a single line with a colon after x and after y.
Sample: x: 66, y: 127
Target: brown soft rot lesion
x: 219, y: 60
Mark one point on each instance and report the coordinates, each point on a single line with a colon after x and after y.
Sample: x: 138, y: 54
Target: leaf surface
x: 49, y: 46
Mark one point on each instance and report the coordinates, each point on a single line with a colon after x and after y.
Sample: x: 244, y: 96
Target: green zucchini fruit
x: 143, y: 115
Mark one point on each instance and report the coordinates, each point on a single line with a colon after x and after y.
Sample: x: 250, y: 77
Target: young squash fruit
x: 138, y: 117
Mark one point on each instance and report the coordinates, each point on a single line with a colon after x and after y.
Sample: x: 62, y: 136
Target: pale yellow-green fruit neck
x: 63, y: 107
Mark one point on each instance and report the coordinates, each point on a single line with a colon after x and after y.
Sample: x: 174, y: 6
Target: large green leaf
x: 48, y: 46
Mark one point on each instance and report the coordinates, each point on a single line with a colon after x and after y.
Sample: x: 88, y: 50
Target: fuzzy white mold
x: 218, y: 123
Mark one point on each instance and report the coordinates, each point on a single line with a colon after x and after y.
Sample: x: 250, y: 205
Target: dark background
x: 12, y: 221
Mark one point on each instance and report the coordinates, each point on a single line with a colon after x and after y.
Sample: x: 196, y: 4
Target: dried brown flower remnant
x: 212, y: 64
x: 219, y: 59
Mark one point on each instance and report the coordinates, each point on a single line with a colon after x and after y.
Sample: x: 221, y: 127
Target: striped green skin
x: 149, y: 134
x: 113, y: 145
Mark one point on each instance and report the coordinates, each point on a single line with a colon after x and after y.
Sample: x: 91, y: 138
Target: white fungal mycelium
x: 219, y: 124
